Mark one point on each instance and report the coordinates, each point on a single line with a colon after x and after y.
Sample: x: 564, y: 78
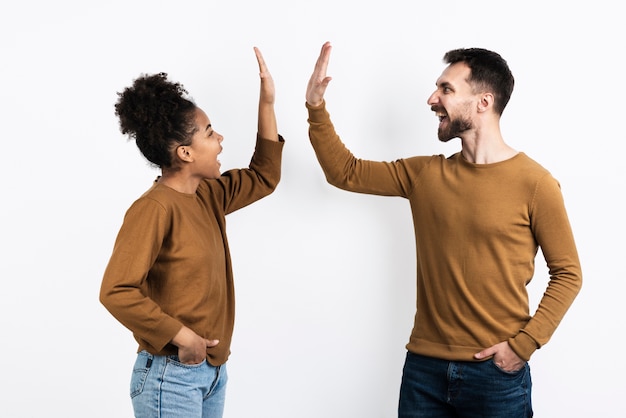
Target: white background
x: 324, y: 278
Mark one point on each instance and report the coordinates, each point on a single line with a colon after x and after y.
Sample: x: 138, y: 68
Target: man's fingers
x: 485, y: 353
x: 319, y: 80
x: 322, y: 61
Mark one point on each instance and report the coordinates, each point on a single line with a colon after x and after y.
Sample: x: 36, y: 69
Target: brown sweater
x: 171, y: 264
x: 477, y: 232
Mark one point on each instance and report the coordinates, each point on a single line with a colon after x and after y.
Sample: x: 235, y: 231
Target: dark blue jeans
x: 434, y: 388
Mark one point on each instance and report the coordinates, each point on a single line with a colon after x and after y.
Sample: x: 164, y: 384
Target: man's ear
x: 182, y: 152
x: 485, y: 102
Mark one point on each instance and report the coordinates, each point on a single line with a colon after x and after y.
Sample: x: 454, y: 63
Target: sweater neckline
x: 459, y: 157
x: 172, y: 190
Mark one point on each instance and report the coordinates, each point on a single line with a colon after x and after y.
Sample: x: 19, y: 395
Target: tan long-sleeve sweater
x: 171, y: 265
x: 478, y: 228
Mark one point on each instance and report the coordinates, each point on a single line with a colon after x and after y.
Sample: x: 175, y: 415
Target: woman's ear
x: 182, y: 152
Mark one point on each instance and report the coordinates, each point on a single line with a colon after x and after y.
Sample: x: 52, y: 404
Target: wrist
x: 183, y: 337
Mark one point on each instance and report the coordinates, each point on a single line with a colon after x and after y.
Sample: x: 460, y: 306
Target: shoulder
x: 545, y: 188
x: 209, y: 188
x: 427, y: 160
x: 159, y: 198
x: 535, y: 173
x: 530, y: 164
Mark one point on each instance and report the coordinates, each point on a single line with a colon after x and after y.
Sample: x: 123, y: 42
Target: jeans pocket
x: 140, y: 373
x: 509, y: 373
x: 174, y: 361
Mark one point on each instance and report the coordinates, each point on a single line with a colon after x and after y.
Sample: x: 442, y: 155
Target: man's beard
x: 454, y: 129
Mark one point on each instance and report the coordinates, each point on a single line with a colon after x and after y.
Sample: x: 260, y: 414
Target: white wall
x: 325, y: 278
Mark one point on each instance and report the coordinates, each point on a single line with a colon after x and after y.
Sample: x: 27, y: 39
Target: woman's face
x: 205, y: 147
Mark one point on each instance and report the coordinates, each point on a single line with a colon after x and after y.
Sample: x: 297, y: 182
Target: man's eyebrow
x: 208, y: 127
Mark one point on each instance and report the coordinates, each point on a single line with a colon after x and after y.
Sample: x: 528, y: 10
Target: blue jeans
x: 437, y: 388
x: 163, y: 387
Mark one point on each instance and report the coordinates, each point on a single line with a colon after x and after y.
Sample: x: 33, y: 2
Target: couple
x: 479, y: 216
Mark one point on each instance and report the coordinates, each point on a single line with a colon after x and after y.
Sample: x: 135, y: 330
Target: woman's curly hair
x: 158, y: 115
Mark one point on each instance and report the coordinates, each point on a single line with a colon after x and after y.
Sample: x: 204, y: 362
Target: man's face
x: 453, y: 102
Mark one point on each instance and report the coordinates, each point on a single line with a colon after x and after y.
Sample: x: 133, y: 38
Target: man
x: 479, y: 216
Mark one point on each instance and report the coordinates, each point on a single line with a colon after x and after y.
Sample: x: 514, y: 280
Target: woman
x: 169, y: 279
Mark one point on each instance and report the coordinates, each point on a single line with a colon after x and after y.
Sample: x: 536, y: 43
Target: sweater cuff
x: 168, y: 331
x: 317, y: 113
x: 523, y: 345
x: 267, y: 147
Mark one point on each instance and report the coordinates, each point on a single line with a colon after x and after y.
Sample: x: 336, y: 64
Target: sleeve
x: 553, y: 233
x: 123, y: 289
x: 345, y: 171
x: 240, y: 187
